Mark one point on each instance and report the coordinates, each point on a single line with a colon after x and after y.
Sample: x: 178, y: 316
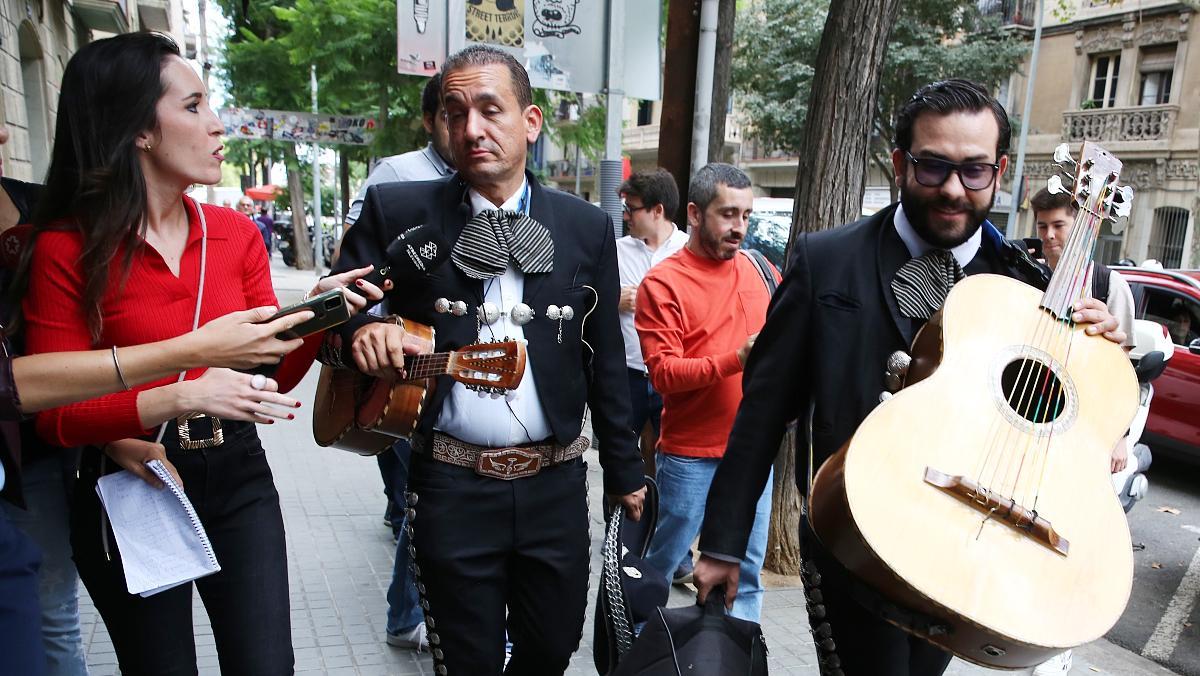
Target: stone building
x: 1125, y: 74
x: 37, y: 38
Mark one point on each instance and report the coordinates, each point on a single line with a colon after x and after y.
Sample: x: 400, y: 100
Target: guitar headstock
x: 489, y: 367
x: 1093, y: 184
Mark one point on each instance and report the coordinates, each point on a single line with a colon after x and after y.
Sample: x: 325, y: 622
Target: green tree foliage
x: 933, y: 39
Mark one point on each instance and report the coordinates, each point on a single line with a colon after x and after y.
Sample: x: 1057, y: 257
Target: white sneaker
x: 413, y: 640
x: 1055, y: 666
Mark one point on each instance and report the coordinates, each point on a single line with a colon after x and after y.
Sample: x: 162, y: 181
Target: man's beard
x: 917, y: 210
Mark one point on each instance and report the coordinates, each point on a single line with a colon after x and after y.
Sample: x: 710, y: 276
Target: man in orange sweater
x: 698, y: 313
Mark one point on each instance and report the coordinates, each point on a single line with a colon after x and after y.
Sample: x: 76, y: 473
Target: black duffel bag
x: 696, y: 641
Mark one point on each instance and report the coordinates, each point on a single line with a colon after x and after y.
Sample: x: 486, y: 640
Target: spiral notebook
x: 161, y: 540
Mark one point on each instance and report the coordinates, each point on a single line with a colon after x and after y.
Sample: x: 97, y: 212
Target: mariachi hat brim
x: 629, y: 588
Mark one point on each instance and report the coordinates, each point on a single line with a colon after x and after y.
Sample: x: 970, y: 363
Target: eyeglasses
x: 629, y: 210
x: 932, y: 173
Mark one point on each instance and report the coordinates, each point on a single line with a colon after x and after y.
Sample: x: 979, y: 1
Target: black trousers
x: 247, y: 601
x: 485, y: 547
x: 848, y: 637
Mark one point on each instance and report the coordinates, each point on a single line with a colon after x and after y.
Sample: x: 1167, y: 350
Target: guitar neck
x: 427, y: 365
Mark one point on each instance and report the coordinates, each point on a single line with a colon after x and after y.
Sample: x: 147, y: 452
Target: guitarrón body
x: 949, y: 501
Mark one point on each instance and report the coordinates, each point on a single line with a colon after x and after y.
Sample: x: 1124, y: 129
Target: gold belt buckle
x: 508, y: 463
x: 185, y: 435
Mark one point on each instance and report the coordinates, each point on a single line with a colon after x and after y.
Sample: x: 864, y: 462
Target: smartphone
x: 1034, y: 246
x: 329, y: 308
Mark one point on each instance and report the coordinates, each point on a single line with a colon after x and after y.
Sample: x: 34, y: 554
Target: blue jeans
x: 21, y: 650
x: 683, y: 490
x: 46, y: 521
x: 404, y: 607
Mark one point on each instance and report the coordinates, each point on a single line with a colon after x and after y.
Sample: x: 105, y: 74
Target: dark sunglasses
x: 932, y: 173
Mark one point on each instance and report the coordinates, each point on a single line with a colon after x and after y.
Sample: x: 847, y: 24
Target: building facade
x: 37, y: 38
x: 1126, y: 75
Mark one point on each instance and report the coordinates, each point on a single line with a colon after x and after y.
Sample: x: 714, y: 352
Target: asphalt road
x: 1162, y: 620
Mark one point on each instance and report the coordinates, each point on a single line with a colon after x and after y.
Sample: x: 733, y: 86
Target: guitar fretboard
x: 427, y: 365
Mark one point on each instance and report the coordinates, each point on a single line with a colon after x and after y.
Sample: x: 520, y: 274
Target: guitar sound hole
x: 1033, y: 390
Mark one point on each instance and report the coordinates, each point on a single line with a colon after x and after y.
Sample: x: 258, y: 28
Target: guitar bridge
x: 1006, y: 510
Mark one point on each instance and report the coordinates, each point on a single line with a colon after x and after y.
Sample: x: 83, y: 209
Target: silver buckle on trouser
x: 187, y: 443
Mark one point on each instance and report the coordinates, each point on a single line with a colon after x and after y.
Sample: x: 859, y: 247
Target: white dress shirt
x: 634, y: 260
x: 503, y: 421
x: 963, y: 253
x: 419, y: 165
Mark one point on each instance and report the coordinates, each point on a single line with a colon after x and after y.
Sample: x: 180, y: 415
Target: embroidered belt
x: 513, y: 462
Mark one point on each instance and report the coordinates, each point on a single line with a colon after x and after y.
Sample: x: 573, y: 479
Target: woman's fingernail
x: 297, y: 404
x: 270, y: 422
x: 291, y: 417
x: 358, y: 283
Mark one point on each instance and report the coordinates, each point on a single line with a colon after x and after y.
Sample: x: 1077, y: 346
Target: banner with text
x: 283, y: 125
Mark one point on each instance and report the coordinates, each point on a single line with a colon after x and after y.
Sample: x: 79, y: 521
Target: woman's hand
x: 364, y: 292
x: 133, y: 454
x: 238, y: 341
x: 222, y: 393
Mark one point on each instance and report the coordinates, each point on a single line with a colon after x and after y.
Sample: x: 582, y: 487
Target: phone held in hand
x: 329, y: 308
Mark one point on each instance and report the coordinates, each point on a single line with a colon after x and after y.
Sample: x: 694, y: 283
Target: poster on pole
x: 292, y: 126
x: 420, y: 36
x: 562, y: 43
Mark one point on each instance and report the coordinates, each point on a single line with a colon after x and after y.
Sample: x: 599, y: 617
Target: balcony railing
x: 1140, y: 123
x: 646, y: 136
x: 1010, y: 12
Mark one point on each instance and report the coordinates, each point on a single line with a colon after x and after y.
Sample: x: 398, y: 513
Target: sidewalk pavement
x: 340, y: 564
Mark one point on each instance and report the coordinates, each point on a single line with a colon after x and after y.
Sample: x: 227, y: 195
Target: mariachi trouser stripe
x: 827, y: 658
x: 439, y: 666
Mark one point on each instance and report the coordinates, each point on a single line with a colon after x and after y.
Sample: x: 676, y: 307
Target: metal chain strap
x: 622, y: 632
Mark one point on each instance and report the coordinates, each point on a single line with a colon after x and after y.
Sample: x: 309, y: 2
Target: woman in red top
x: 122, y: 258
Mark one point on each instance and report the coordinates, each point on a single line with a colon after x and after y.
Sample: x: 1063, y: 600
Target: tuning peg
x: 1055, y: 185
x: 1122, y: 204
x: 1062, y: 154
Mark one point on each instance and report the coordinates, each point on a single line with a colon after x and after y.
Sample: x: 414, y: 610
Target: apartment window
x: 1157, y: 69
x: 1166, y: 239
x: 645, y: 115
x: 1105, y: 70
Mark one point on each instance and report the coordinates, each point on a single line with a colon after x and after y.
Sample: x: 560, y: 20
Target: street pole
x: 1010, y: 230
x: 611, y: 165
x: 209, y: 193
x: 705, y: 56
x: 318, y: 234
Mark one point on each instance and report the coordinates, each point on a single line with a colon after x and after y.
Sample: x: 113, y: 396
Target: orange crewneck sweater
x: 693, y: 313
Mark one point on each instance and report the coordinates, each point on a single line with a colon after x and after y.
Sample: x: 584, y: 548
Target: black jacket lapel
x: 540, y: 211
x: 891, y: 255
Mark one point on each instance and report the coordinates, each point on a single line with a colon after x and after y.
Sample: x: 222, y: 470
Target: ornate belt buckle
x: 185, y: 436
x: 508, y: 463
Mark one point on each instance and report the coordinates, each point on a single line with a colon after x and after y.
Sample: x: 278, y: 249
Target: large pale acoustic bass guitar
x: 366, y: 415
x: 979, y: 495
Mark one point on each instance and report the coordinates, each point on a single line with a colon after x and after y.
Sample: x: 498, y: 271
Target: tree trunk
x: 829, y: 185
x: 344, y: 178
x: 679, y: 97
x: 295, y: 179
x: 722, y: 65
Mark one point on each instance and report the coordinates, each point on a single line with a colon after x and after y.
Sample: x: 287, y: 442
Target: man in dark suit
x: 841, y: 310
x: 498, y: 500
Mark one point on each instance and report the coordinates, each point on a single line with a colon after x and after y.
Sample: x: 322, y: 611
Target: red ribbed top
x: 151, y: 305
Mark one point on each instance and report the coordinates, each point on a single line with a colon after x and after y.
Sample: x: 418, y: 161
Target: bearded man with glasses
x: 851, y: 297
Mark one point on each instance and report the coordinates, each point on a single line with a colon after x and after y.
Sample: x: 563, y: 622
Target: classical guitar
x: 366, y: 415
x: 979, y: 495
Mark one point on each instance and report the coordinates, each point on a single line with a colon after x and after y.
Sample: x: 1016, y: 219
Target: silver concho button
x: 441, y: 305
x: 567, y: 313
x: 521, y: 314
x: 488, y: 313
x: 553, y: 313
x: 458, y: 308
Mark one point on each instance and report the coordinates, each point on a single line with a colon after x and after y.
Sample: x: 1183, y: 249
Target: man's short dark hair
x: 951, y: 96
x: 475, y: 56
x: 703, y: 188
x: 1045, y: 200
x: 431, y: 96
x: 654, y: 187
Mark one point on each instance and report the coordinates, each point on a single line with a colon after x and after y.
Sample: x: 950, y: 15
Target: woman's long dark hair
x: 110, y: 90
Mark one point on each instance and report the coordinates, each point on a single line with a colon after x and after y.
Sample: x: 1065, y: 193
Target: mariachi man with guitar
x: 851, y: 297
x: 498, y: 499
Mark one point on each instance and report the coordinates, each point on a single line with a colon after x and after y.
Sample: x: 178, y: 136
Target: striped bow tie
x: 494, y: 236
x: 921, y: 284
